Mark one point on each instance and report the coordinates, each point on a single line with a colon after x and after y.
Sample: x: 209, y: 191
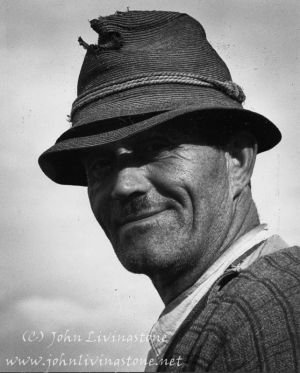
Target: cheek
x: 93, y: 198
x: 98, y: 203
x: 171, y: 177
x: 208, y: 184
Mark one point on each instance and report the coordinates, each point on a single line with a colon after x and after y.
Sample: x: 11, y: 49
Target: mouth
x: 138, y: 219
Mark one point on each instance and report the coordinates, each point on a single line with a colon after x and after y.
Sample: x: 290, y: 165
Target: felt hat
x: 148, y: 68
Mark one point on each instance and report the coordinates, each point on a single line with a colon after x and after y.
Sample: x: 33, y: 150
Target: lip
x: 138, y: 219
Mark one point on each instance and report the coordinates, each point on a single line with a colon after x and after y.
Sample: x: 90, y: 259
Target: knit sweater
x: 249, y: 321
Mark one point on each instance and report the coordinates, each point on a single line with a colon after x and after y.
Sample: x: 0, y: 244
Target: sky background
x: 58, y: 271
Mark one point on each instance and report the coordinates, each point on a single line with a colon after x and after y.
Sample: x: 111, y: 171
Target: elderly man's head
x: 160, y: 137
x: 166, y: 198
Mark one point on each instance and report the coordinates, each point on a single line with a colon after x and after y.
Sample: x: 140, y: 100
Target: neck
x: 242, y: 219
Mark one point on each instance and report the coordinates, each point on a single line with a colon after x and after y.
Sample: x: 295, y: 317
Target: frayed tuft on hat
x: 83, y: 43
x: 109, y: 38
x: 91, y: 48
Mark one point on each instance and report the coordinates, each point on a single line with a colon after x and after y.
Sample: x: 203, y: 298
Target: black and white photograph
x: 150, y: 186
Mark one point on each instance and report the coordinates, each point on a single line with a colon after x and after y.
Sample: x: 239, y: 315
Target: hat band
x: 228, y: 87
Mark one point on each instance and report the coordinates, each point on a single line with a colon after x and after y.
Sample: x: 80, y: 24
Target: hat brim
x: 62, y: 162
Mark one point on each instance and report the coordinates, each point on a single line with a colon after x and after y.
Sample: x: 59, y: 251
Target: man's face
x: 162, y: 197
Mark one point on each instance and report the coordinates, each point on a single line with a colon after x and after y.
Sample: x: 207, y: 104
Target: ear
x: 240, y: 155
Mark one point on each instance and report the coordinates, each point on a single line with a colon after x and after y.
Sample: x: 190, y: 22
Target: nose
x: 129, y: 181
x: 130, y: 178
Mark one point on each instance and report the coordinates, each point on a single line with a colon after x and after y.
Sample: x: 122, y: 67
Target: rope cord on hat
x: 228, y: 87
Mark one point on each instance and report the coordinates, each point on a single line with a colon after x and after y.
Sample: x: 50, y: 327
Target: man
x: 161, y: 139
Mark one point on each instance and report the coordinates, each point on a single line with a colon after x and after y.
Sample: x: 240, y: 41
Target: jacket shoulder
x: 263, y: 321
x: 251, y: 323
x: 274, y: 275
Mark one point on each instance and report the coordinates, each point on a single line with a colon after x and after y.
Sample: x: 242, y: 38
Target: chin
x: 153, y: 259
x: 152, y: 249
x: 140, y: 259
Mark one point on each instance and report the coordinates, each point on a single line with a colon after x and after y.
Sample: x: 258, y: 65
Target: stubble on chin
x: 164, y: 249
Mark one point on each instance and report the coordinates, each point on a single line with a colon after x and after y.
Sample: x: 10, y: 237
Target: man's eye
x: 100, y: 167
x: 154, y: 147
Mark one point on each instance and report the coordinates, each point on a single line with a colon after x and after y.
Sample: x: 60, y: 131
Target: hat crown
x: 148, y: 42
x: 140, y: 19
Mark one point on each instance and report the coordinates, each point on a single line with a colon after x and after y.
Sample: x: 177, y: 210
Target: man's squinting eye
x: 99, y: 166
x: 154, y: 146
